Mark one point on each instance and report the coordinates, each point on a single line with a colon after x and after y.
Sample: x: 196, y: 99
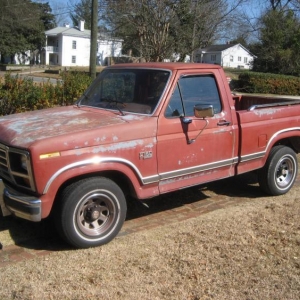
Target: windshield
x: 127, y: 90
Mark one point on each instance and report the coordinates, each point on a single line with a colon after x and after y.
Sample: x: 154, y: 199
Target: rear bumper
x: 20, y: 205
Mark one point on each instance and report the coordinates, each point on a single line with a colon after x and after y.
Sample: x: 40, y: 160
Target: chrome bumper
x: 20, y: 205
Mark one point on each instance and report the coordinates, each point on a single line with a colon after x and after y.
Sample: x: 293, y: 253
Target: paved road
x: 30, y: 74
x: 36, y: 78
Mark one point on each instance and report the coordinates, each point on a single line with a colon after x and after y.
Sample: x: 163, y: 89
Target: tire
x: 280, y: 171
x: 90, y: 212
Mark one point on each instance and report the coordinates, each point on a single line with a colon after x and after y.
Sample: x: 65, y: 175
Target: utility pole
x: 94, y: 37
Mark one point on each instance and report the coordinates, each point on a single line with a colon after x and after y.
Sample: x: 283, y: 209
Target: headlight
x: 24, y: 162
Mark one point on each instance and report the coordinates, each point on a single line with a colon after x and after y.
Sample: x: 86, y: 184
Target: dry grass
x: 249, y: 251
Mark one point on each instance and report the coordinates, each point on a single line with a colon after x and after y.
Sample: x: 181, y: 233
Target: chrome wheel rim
x: 96, y: 214
x: 285, y: 172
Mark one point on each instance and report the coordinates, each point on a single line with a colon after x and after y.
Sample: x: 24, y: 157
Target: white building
x: 67, y: 46
x: 227, y: 55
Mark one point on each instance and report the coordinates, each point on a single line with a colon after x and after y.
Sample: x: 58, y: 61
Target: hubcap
x: 285, y: 172
x: 96, y: 214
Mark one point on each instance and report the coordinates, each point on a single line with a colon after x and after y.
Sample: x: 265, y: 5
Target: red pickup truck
x: 141, y: 130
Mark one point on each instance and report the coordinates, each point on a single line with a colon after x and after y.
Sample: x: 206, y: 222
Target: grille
x: 4, y: 170
x: 11, y: 167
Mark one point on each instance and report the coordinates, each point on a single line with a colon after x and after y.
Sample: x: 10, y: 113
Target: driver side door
x: 194, y: 150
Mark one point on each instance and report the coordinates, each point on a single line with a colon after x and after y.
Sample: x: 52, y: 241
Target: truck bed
x: 251, y: 102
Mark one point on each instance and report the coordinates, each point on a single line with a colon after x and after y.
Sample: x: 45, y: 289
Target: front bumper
x: 20, y: 205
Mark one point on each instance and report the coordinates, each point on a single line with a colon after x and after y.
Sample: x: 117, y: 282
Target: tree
x: 22, y: 26
x: 285, y: 4
x: 83, y: 11
x: 46, y: 15
x: 196, y: 24
x: 278, y: 48
x: 156, y: 29
x: 144, y: 25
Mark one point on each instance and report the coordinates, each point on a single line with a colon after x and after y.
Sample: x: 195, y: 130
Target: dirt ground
x: 249, y: 249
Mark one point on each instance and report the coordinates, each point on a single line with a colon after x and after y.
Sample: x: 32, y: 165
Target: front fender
x: 144, y: 186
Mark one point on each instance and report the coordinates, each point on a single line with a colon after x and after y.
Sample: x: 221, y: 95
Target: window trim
x: 218, y: 106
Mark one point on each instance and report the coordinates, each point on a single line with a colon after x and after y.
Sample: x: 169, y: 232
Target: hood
x: 22, y: 130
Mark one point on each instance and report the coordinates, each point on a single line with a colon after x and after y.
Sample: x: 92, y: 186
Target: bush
x: 22, y: 94
x: 252, y: 82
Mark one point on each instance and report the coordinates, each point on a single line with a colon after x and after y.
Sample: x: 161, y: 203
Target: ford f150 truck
x: 141, y: 130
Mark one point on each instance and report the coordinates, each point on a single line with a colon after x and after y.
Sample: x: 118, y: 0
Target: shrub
x: 252, y: 82
x: 22, y: 94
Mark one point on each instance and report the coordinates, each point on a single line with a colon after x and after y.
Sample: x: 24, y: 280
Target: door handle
x: 186, y: 120
x: 223, y: 123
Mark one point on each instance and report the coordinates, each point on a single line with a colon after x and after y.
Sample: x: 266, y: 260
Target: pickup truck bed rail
x: 252, y: 102
x: 292, y: 102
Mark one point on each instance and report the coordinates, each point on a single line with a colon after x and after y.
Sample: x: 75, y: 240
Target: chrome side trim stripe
x: 97, y: 160
x: 196, y: 169
x: 145, y: 180
x: 252, y: 156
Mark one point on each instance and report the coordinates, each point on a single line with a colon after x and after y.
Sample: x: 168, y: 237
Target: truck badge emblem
x: 146, y: 155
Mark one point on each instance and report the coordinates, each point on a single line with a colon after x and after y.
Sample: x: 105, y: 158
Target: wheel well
x: 119, y: 178
x: 292, y: 142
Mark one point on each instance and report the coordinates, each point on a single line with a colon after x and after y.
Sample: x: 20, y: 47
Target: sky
x: 62, y: 9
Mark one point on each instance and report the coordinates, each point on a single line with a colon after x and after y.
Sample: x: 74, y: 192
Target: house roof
x: 68, y: 31
x: 220, y: 48
x: 77, y: 33
x: 217, y: 48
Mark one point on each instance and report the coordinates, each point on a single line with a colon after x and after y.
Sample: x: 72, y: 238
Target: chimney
x: 67, y: 25
x: 81, y: 25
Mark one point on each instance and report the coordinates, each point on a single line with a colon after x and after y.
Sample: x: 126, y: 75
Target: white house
x: 227, y: 55
x: 67, y: 46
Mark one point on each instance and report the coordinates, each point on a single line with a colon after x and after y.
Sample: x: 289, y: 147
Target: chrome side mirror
x: 203, y: 110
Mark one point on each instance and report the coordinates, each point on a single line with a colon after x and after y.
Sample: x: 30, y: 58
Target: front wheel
x: 90, y: 212
x: 279, y: 173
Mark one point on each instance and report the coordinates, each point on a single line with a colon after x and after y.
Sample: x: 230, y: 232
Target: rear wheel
x: 280, y: 171
x: 91, y: 212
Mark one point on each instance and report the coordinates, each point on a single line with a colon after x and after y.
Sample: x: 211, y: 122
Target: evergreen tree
x: 22, y: 26
x: 278, y: 49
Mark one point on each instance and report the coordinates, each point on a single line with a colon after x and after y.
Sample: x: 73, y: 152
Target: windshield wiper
x: 83, y: 97
x: 114, y: 104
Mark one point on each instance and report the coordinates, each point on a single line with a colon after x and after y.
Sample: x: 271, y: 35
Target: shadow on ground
x: 43, y: 236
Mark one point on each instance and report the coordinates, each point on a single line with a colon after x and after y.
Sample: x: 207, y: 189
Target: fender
x: 257, y: 160
x: 99, y: 164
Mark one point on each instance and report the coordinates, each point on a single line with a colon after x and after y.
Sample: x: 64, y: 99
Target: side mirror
x: 203, y: 110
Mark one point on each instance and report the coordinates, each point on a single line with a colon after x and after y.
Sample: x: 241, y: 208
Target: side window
x: 174, y: 108
x: 199, y: 90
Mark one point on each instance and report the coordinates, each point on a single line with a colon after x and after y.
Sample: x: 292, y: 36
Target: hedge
x: 264, y: 83
x: 23, y: 94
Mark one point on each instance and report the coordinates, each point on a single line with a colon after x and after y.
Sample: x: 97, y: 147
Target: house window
x: 73, y: 44
x: 239, y: 58
x: 73, y: 59
x: 213, y: 57
x: 231, y: 58
x: 245, y: 60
